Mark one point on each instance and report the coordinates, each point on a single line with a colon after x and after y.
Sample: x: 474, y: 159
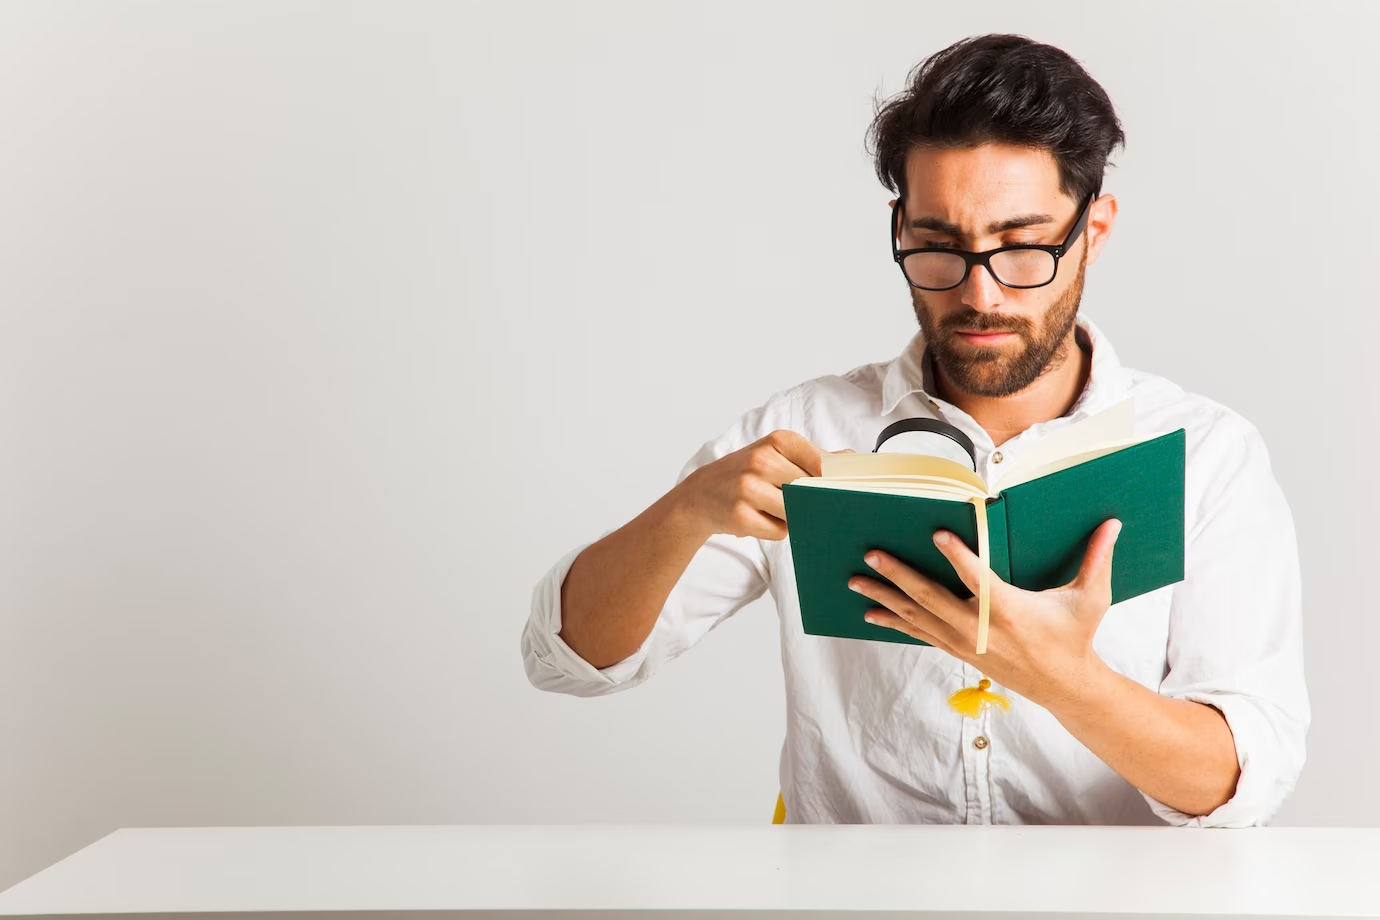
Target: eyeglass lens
x: 1014, y: 268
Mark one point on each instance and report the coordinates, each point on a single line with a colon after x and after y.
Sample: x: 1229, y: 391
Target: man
x: 1185, y: 705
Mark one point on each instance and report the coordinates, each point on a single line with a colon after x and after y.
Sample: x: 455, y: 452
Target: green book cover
x: 1038, y: 531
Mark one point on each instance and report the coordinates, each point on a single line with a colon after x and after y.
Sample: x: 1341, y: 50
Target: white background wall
x: 325, y: 328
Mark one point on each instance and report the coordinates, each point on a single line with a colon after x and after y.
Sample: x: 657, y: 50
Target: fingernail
x: 941, y: 537
x: 854, y: 586
x: 872, y: 559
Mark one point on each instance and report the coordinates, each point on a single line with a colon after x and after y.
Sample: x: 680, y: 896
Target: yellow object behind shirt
x: 780, y: 816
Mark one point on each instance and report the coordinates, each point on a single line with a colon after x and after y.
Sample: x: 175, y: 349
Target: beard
x: 1007, y: 369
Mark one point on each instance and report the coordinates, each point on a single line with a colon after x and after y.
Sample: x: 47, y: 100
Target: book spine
x: 999, y: 533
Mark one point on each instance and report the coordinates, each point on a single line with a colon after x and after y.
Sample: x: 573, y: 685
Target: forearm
x: 616, y: 587
x: 1176, y: 751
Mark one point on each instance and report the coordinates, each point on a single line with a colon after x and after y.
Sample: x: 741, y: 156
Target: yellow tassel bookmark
x: 984, y: 577
x: 974, y: 701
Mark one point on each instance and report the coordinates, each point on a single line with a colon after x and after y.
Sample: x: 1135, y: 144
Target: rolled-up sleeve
x: 723, y: 576
x: 1235, y: 632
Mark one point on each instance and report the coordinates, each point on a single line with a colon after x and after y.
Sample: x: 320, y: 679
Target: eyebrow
x: 948, y: 229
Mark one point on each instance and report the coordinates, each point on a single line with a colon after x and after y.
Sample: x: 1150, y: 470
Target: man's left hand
x: 1039, y: 643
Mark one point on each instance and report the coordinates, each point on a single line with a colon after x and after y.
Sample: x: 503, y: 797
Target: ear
x: 891, y: 203
x: 1101, y: 219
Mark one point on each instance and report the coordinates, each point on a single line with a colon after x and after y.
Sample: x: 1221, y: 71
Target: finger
x: 762, y: 495
x: 905, y: 607
x: 1095, y: 574
x: 797, y: 450
x: 921, y: 589
x: 924, y: 591
x: 758, y: 510
x: 755, y: 523
x: 770, y: 528
x: 966, y: 563
x: 774, y: 469
x: 763, y: 460
x: 883, y: 617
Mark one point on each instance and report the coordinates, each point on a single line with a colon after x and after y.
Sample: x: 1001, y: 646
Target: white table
x: 275, y: 873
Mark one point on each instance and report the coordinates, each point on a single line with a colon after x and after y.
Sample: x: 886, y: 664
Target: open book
x: 1030, y: 523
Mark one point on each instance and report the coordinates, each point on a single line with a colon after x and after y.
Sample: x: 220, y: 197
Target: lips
x: 986, y: 337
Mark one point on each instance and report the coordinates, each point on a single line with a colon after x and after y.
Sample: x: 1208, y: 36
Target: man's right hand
x: 616, y: 587
x: 740, y: 493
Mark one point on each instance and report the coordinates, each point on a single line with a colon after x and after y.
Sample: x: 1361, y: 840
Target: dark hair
x: 1005, y: 89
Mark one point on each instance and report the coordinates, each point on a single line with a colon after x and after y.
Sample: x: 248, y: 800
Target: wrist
x: 679, y: 512
x: 1078, y: 687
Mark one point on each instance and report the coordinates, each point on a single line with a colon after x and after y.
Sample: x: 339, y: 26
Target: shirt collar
x: 912, y: 372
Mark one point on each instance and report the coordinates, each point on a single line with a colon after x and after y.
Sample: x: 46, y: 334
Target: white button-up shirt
x: 870, y: 737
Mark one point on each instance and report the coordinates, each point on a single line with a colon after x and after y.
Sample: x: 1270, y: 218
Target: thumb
x: 1095, y: 574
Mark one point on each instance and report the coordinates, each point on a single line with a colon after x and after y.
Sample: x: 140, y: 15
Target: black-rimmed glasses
x: 1024, y: 265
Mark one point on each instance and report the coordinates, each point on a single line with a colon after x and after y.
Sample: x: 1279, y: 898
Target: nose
x: 980, y: 291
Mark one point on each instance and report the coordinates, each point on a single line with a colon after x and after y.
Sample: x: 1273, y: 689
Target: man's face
x: 991, y: 340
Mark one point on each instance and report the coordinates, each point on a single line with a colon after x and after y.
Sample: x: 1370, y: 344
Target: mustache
x: 972, y: 321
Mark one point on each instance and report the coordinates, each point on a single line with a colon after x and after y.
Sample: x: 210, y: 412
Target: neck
x: 1051, y: 395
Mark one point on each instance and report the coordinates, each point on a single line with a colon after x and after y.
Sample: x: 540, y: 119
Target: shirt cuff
x: 1266, y: 777
x: 550, y: 663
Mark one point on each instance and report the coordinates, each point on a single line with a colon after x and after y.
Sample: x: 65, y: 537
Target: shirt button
x: 980, y: 742
x: 996, y: 457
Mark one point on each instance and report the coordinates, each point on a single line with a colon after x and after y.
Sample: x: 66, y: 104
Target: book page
x: 884, y: 486
x: 1114, y: 426
x: 1027, y: 472
x: 904, y: 479
x: 870, y: 465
